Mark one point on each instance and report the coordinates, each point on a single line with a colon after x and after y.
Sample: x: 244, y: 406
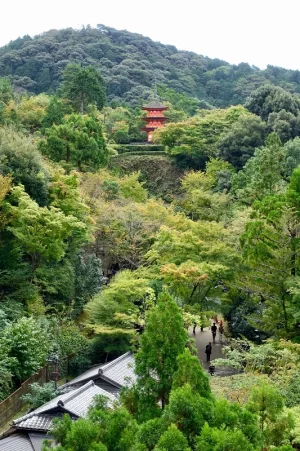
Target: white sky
x: 258, y: 32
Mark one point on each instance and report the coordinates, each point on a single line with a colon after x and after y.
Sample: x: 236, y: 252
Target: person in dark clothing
x: 194, y: 328
x: 212, y: 369
x: 208, y: 352
x: 214, y: 332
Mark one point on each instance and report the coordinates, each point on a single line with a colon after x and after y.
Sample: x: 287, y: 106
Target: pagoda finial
x: 155, y: 89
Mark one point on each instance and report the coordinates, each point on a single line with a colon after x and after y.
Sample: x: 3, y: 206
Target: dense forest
x: 129, y: 63
x: 109, y: 245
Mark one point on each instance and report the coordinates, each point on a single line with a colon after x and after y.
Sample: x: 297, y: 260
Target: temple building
x: 155, y: 117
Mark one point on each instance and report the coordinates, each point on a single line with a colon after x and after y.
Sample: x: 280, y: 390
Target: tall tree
x: 83, y: 86
x: 161, y: 343
x: 78, y: 140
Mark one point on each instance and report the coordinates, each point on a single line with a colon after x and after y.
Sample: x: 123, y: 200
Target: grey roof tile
x: 16, y: 442
x: 75, y: 402
x: 35, y: 422
x: 119, y: 372
x: 38, y: 439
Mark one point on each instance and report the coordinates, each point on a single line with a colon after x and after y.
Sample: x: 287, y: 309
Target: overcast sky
x: 258, y: 32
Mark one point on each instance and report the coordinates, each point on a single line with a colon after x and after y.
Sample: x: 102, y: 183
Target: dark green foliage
x: 78, y: 141
x: 128, y: 61
x: 237, y: 145
x: 123, y: 148
x: 272, y: 99
x: 82, y: 86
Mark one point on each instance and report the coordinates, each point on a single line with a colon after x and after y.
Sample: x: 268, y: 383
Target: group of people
x: 208, y: 349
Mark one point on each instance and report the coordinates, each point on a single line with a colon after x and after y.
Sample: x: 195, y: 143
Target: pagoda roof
x: 155, y: 105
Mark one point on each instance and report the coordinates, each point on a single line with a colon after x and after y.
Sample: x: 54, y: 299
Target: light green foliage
x: 122, y: 125
x: 83, y: 86
x: 198, y: 136
x: 191, y: 258
x: 20, y: 159
x: 172, y: 440
x: 199, y: 201
x: 78, y: 141
x: 55, y: 112
x: 28, y: 343
x: 268, y: 404
x: 121, y: 305
x: 212, y: 439
x: 39, y: 394
x: 42, y: 232
x: 28, y: 112
x: 161, y: 343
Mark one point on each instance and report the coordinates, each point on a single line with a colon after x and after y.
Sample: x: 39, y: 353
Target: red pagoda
x: 155, y: 117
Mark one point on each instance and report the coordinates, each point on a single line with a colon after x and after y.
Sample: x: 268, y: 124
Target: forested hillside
x: 109, y: 244
x: 129, y: 62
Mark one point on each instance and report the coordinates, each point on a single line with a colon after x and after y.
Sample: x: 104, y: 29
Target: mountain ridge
x: 129, y: 62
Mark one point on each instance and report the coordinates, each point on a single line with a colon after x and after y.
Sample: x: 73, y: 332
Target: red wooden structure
x: 155, y: 117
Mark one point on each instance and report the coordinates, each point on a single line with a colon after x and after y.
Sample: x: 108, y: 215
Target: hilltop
x: 129, y: 62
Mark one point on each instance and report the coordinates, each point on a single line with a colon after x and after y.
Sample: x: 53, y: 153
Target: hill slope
x: 129, y: 62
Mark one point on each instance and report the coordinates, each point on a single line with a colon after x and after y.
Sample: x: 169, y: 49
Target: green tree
x: 213, y: 439
x: 172, y: 440
x: 83, y: 86
x: 237, y: 144
x: 190, y: 372
x: 20, y: 159
x: 268, y: 404
x: 78, y: 141
x: 272, y: 99
x: 261, y: 174
x: 29, y: 343
x: 55, y: 112
x: 6, y: 90
x: 188, y: 411
x: 161, y: 343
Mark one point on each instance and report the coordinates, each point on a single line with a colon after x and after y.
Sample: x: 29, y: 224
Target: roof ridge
x: 113, y: 362
x: 78, y: 391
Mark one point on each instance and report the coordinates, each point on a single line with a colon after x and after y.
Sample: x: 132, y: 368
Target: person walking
x: 208, y: 352
x: 221, y: 332
x: 194, y: 328
x: 214, y: 332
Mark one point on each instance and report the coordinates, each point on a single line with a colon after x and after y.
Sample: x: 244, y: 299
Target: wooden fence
x: 11, y: 405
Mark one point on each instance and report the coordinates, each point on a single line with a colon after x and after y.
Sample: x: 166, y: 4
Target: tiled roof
x: 154, y: 104
x: 16, y: 442
x: 38, y: 439
x: 23, y: 442
x: 35, y: 422
x: 75, y: 403
x: 119, y: 372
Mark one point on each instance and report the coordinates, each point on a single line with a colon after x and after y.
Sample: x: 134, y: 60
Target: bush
x: 126, y: 148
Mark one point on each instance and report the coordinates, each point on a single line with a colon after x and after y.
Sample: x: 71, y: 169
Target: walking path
x: 201, y: 340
